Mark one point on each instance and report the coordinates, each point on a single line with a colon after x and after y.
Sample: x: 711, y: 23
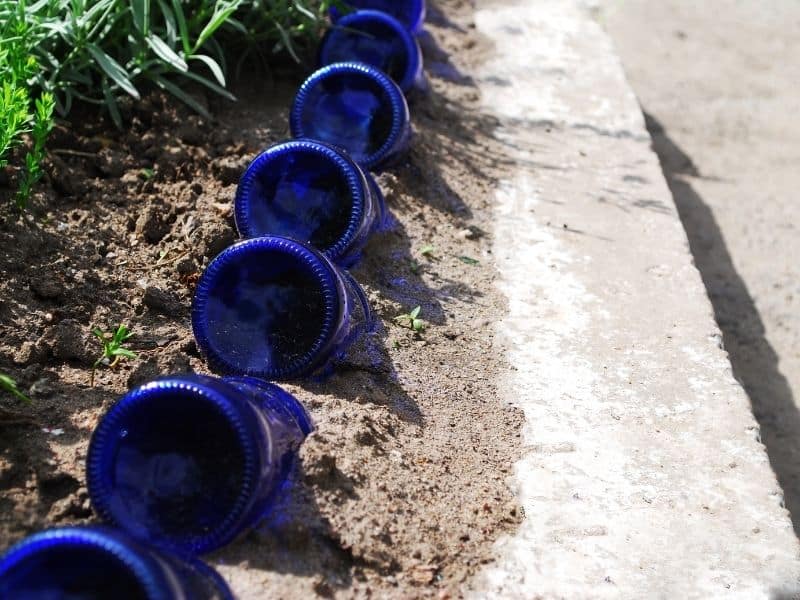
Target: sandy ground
x: 719, y: 84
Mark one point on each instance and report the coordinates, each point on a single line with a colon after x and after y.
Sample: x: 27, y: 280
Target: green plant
x: 42, y: 126
x: 99, y: 51
x: 15, y: 68
x: 293, y: 26
x: 9, y: 385
x: 428, y: 251
x: 14, y: 121
x: 412, y: 320
x: 56, y: 52
x: 467, y: 260
x: 113, y: 350
x: 18, y: 116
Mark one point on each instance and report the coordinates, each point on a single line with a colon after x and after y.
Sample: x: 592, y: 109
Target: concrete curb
x: 644, y: 474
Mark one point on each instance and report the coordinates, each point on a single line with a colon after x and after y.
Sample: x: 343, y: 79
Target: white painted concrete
x: 644, y: 476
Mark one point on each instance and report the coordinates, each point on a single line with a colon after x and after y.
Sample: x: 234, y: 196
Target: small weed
x: 414, y: 266
x: 412, y: 320
x: 468, y: 260
x: 9, y: 385
x: 146, y: 174
x: 428, y: 251
x: 113, y: 349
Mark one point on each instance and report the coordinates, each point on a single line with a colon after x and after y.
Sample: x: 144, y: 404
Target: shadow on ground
x: 754, y: 361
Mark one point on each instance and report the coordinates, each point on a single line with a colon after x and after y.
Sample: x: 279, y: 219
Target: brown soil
x: 401, y: 491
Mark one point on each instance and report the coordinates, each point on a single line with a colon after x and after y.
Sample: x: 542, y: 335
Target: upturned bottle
x: 311, y: 192
x: 378, y: 39
x: 356, y: 107
x: 189, y: 462
x: 277, y: 309
x: 97, y: 563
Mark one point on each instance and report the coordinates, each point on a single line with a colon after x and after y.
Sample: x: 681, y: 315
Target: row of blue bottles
x: 185, y: 464
x: 309, y: 196
x: 278, y: 305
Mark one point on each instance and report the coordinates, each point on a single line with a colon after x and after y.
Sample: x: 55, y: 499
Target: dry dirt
x: 402, y: 489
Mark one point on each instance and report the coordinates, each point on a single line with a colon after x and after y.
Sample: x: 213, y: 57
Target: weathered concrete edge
x: 644, y: 475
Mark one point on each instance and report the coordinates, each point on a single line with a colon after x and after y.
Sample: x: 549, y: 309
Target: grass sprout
x: 113, y: 350
x: 428, y: 251
x: 412, y: 320
x: 7, y: 384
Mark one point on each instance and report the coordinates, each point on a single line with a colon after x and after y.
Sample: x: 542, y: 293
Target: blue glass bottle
x: 97, y: 563
x: 356, y: 107
x: 378, y: 39
x: 411, y: 13
x: 188, y: 462
x: 277, y: 309
x: 310, y: 192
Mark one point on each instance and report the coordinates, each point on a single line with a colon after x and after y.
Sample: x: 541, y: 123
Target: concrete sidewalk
x: 715, y: 81
x: 644, y: 476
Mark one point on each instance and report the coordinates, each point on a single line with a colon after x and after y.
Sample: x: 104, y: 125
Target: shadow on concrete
x: 786, y: 594
x: 754, y: 361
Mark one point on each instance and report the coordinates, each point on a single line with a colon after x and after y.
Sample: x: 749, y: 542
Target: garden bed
x: 402, y: 489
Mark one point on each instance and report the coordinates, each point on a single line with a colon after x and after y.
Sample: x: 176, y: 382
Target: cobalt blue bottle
x: 97, y: 563
x: 378, y: 39
x: 310, y: 192
x: 278, y: 309
x: 188, y: 462
x: 356, y: 107
x: 411, y: 13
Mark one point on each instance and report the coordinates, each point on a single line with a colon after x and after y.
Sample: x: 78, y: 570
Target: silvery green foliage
x: 98, y: 51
